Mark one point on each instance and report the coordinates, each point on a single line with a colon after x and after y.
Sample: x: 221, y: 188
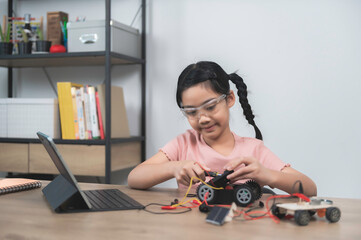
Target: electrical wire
x: 158, y: 204
x: 247, y: 212
x: 189, y: 188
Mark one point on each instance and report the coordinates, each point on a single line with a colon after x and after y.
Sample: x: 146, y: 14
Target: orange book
x: 9, y: 185
x: 101, y: 128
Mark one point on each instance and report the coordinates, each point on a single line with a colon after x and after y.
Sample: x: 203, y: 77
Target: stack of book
x: 82, y: 111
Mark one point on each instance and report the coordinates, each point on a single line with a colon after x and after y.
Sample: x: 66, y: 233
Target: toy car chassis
x: 302, y: 211
x: 242, y: 195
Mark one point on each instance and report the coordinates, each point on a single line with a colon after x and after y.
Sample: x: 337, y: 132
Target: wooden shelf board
x: 80, y: 142
x: 65, y: 59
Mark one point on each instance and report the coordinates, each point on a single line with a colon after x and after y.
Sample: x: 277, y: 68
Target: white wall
x: 3, y: 71
x: 301, y: 62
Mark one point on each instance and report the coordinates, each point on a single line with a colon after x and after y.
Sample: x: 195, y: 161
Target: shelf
x: 65, y: 59
x: 111, y: 154
x: 80, y: 142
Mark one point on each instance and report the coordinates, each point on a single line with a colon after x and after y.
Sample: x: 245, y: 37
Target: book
x: 88, y: 133
x: 100, y: 119
x: 9, y: 185
x: 93, y: 113
x: 80, y: 110
x: 75, y: 112
x: 119, y: 119
x: 66, y: 109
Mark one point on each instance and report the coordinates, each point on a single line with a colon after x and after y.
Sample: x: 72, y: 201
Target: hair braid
x: 242, y: 94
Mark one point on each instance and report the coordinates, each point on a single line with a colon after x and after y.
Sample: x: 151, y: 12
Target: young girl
x: 204, y: 96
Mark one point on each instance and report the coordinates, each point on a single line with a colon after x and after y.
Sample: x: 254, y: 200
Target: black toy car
x: 242, y: 195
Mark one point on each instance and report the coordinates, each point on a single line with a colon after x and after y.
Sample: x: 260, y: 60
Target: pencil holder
x: 43, y: 45
x: 6, y: 48
x: 25, y: 47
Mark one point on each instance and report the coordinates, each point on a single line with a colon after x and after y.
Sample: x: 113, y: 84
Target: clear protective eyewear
x: 207, y: 108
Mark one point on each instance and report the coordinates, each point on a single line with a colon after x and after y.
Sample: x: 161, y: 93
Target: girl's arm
x: 250, y: 168
x: 158, y: 169
x: 286, y: 179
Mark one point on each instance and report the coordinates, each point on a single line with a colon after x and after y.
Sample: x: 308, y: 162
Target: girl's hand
x: 187, y: 169
x: 248, y: 168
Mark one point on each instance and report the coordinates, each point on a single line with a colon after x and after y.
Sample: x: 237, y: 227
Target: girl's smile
x: 210, y: 128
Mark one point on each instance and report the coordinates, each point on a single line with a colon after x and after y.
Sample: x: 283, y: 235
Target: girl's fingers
x: 243, y: 161
x: 241, y: 173
x: 199, y: 172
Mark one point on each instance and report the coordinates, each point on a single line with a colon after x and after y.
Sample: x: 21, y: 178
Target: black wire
x: 300, y: 187
x: 158, y: 204
x: 259, y: 207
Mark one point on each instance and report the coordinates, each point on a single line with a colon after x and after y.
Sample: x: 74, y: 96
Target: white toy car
x: 303, y: 210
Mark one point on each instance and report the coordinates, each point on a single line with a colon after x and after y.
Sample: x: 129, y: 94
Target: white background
x: 299, y: 59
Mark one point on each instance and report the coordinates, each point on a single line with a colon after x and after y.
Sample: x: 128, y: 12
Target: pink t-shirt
x: 191, y: 146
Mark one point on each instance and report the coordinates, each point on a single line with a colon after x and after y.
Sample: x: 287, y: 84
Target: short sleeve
x: 268, y: 159
x: 171, y: 149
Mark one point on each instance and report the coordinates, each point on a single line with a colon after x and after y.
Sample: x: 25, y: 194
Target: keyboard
x: 111, y: 199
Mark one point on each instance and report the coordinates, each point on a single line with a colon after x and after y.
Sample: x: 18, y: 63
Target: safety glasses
x: 209, y: 108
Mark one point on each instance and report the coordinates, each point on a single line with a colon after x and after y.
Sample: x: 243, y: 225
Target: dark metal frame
x: 96, y: 58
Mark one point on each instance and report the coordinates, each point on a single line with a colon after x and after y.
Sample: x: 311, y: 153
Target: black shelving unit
x: 106, y: 58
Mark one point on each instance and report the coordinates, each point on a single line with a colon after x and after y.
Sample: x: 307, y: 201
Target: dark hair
x: 219, y: 82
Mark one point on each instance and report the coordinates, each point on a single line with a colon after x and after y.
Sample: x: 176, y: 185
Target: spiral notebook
x: 9, y: 185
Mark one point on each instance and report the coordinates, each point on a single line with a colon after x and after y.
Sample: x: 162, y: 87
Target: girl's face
x: 209, y: 120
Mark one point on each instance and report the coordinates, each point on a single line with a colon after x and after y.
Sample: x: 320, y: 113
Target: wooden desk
x: 26, y: 215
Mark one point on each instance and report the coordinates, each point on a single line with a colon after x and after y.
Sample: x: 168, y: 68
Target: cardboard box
x: 119, y: 120
x: 54, y: 33
x: 26, y: 116
x: 89, y: 36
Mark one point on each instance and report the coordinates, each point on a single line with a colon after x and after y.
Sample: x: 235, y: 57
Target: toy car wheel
x: 311, y: 212
x: 302, y: 217
x: 243, y: 195
x: 256, y: 189
x: 202, y: 190
x: 333, y: 214
x: 276, y: 211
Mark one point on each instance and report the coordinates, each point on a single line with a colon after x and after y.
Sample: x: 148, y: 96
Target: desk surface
x: 27, y: 215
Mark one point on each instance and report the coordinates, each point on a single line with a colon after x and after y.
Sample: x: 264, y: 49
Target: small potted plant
x: 41, y: 44
x: 6, y: 47
x: 24, y: 46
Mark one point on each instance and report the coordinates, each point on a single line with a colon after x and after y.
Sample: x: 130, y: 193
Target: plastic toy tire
x: 302, y: 217
x: 333, y: 214
x: 256, y: 189
x: 311, y: 212
x: 243, y: 195
x: 202, y: 191
x: 277, y: 213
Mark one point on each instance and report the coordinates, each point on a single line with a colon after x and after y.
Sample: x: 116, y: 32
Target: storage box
x: 24, y: 117
x: 54, y: 33
x: 89, y: 36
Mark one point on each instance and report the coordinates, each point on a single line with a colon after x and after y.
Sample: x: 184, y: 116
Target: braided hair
x: 218, y: 79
